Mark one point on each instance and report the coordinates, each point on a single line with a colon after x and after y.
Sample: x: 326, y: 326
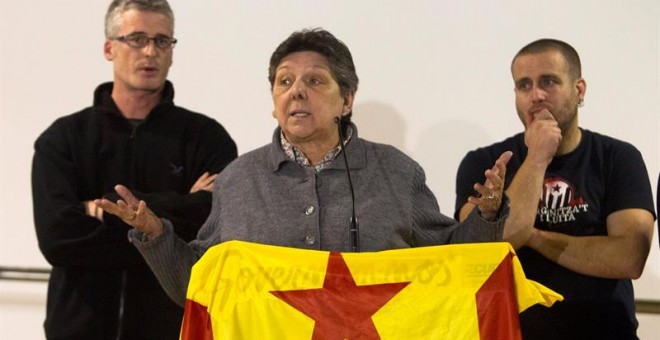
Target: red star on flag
x: 341, y: 309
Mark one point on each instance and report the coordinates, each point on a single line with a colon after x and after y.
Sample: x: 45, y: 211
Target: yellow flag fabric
x: 241, y: 290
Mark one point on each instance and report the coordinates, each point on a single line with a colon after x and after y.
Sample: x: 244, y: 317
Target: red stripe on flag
x: 497, y: 305
x: 196, y: 322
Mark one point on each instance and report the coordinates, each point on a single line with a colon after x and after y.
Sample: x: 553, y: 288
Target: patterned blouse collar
x: 299, y: 157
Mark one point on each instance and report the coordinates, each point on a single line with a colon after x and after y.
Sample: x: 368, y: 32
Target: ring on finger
x: 131, y: 216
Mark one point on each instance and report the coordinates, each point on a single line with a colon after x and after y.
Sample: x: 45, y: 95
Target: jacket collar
x: 104, y: 103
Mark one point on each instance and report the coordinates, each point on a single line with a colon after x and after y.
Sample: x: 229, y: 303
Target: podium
x: 241, y: 290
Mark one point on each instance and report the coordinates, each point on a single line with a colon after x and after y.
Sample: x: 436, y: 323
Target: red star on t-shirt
x: 341, y: 309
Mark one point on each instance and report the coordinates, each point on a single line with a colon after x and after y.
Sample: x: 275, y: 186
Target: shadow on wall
x: 380, y: 123
x: 450, y: 139
x: 440, y: 148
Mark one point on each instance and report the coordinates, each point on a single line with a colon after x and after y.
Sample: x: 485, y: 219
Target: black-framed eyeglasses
x: 141, y: 40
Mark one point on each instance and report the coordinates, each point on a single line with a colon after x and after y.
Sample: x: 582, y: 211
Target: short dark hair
x: 544, y: 45
x: 323, y: 42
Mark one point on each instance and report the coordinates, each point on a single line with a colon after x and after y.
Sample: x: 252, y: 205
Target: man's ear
x: 107, y: 50
x: 581, y: 86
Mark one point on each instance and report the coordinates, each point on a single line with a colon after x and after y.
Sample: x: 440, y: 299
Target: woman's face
x: 307, y: 99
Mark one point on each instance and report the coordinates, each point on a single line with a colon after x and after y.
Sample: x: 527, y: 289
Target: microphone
x: 353, y: 226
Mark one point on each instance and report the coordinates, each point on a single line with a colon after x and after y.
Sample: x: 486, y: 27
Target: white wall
x: 434, y: 76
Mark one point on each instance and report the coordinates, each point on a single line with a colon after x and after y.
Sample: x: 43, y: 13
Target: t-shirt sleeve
x: 628, y: 184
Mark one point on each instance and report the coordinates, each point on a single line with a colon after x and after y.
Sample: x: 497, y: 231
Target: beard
x: 566, y: 114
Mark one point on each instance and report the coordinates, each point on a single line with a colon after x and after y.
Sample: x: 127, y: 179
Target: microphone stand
x: 354, y: 227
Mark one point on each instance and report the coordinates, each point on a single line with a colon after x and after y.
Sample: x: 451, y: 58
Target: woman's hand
x: 491, y: 192
x: 133, y: 212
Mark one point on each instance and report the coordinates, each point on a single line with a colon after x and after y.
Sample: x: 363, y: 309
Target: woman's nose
x: 298, y: 91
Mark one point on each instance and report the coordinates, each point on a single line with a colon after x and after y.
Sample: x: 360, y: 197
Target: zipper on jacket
x: 135, y: 125
x: 133, y: 132
x: 122, y: 300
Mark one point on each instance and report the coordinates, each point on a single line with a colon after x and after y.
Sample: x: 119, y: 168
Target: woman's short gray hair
x: 323, y: 42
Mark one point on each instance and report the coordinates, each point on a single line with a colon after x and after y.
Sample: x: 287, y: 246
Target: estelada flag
x: 241, y: 290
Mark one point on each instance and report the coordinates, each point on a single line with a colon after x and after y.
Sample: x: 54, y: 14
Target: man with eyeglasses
x: 100, y: 287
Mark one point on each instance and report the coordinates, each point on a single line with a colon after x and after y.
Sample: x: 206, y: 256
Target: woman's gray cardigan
x: 265, y: 197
